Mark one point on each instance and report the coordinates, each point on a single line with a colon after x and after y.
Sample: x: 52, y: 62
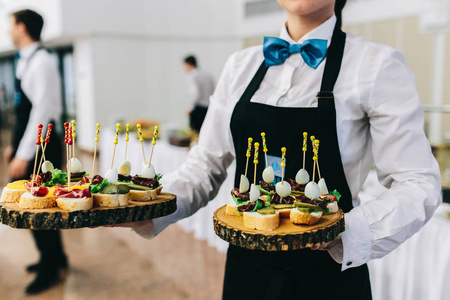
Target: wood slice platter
x: 55, y: 218
x: 286, y: 237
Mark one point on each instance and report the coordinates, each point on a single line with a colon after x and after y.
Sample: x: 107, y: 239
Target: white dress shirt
x: 379, y: 122
x: 200, y: 87
x: 41, y: 83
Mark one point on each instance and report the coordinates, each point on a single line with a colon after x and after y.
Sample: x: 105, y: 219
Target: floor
x: 115, y: 263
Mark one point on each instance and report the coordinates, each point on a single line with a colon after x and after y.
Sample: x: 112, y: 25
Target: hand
x: 125, y: 225
x: 7, y: 155
x: 328, y: 245
x: 188, y: 112
x: 18, y: 167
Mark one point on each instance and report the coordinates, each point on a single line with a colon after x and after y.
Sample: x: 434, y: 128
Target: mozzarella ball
x: 283, y: 188
x: 112, y: 176
x: 312, y: 190
x: 47, y: 166
x: 302, y: 176
x: 268, y: 174
x: 323, y: 187
x: 254, y: 193
x: 148, y: 172
x: 244, y: 184
x: 75, y: 165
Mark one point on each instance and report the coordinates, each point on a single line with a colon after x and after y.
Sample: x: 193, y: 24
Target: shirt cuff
x: 144, y: 228
x: 356, y: 240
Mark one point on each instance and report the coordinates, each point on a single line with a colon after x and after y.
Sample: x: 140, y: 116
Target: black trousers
x: 301, y: 274
x: 48, y: 242
x: 197, y: 117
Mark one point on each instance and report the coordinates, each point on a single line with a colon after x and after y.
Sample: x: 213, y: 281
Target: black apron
x: 22, y: 109
x: 299, y: 274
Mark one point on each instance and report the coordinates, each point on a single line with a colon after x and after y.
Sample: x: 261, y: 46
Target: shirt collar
x: 324, y: 32
x: 28, y: 50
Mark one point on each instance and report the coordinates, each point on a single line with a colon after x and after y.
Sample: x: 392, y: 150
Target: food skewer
x: 247, y: 154
x: 312, y: 189
x: 43, y: 154
x: 302, y: 176
x: 127, y: 138
x: 66, y: 141
x: 314, y: 159
x: 255, y: 161
x: 47, y: 139
x: 268, y: 174
x: 316, y: 143
x: 305, y: 146
x: 69, y: 144
x: 155, y: 134
x: 263, y: 136
x: 38, y: 143
x: 283, y: 188
x: 116, y: 141
x: 141, y: 139
x: 254, y: 191
x: 74, y: 134
x: 95, y: 148
x: 283, y: 163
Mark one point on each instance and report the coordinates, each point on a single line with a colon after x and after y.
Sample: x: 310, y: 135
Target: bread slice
x: 255, y: 220
x: 298, y: 217
x: 145, y: 195
x: 74, y: 204
x: 28, y: 201
x: 333, y: 207
x: 111, y: 200
x: 11, y: 195
x: 231, y: 208
x: 284, y: 212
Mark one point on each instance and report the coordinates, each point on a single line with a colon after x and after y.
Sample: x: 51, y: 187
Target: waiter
x: 37, y: 101
x: 200, y: 88
x: 360, y: 99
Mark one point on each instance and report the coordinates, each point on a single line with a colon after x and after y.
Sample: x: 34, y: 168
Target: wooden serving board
x: 55, y: 218
x: 286, y: 237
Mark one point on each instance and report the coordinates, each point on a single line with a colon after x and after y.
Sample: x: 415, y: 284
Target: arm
x: 404, y: 164
x: 199, y: 178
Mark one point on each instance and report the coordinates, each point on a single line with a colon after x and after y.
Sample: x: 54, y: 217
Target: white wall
x: 128, y: 54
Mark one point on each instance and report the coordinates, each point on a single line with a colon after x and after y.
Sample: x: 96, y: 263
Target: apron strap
x: 334, y: 59
x: 254, y: 83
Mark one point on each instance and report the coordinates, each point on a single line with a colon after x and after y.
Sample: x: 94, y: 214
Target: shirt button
x: 349, y: 263
x: 295, y: 59
x: 283, y: 90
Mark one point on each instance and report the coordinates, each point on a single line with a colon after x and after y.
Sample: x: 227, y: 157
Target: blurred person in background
x: 38, y: 100
x: 200, y: 88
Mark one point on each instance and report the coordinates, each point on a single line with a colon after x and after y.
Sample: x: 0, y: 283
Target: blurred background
x: 122, y: 61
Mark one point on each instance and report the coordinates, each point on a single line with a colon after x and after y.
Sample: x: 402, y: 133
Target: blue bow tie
x: 277, y: 50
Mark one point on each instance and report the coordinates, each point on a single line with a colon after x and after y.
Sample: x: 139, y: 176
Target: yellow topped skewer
x: 255, y: 161
x: 74, y: 134
x: 127, y: 138
x: 116, y: 141
x: 263, y: 135
x: 248, y: 154
x: 283, y: 163
x: 141, y: 139
x: 95, y: 148
x: 155, y: 135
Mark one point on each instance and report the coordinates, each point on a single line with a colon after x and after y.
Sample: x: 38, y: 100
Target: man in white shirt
x: 37, y: 101
x: 200, y: 88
